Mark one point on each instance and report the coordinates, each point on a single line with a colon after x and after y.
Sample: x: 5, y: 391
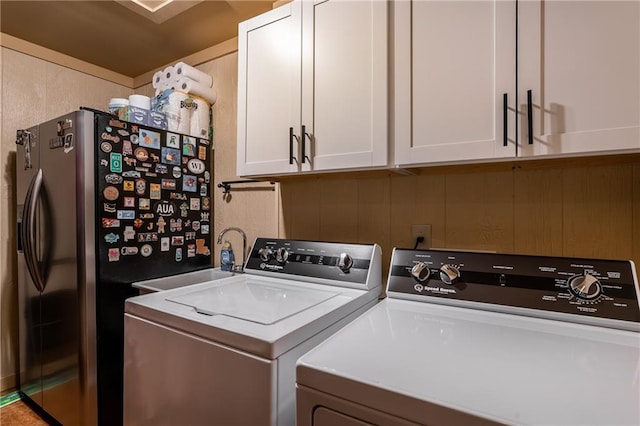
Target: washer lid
x: 253, y: 301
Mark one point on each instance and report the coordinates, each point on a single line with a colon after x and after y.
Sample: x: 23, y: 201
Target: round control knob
x: 449, y: 274
x: 265, y: 254
x: 345, y: 262
x: 282, y: 254
x: 585, y: 286
x: 420, y: 271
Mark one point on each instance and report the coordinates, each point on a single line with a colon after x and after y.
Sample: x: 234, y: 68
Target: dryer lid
x: 253, y: 300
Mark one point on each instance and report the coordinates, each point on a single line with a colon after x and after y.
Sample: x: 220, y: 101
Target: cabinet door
x: 580, y: 59
x: 269, y: 91
x: 345, y: 81
x: 453, y: 63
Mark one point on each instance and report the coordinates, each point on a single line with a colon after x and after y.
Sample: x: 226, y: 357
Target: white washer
x: 224, y: 352
x: 470, y: 338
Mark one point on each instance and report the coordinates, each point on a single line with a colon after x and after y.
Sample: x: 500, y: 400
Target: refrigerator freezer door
x: 27, y: 164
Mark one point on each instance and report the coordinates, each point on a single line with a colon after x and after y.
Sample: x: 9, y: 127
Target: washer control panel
x: 590, y: 288
x: 349, y: 263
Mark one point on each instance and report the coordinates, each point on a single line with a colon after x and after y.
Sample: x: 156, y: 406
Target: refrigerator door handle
x: 28, y: 230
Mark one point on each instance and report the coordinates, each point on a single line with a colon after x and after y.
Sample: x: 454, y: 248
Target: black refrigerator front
x: 102, y: 203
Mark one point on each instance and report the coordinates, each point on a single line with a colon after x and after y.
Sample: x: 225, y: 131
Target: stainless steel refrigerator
x: 101, y: 203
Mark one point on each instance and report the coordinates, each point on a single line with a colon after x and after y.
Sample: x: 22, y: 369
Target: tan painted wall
x: 33, y: 90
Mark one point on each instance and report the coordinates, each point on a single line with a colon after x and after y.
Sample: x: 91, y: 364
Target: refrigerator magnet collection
x: 154, y: 198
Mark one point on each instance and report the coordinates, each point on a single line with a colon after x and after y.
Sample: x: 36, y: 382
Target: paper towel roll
x: 194, y: 88
x: 183, y: 70
x: 199, y: 119
x: 177, y: 113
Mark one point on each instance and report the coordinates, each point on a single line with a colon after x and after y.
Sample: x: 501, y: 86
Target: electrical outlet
x: 423, y: 231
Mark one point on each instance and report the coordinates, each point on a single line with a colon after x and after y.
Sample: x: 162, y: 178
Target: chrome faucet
x: 240, y: 267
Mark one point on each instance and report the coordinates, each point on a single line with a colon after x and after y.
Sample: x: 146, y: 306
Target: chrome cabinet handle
x: 28, y: 230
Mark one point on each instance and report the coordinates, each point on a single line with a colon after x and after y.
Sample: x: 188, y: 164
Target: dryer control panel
x: 594, y: 291
x: 317, y: 261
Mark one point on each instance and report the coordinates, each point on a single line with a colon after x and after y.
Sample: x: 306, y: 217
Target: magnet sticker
x: 117, y: 123
x: 108, y: 137
x: 115, y: 162
x: 129, y: 233
x: 111, y: 238
x: 129, y: 251
x: 204, y: 229
x: 173, y: 140
x: 204, y: 217
x: 196, y: 166
x: 148, y: 166
x: 127, y: 185
x: 111, y: 193
x: 178, y: 225
x: 147, y: 237
x: 190, y: 235
x: 144, y: 203
x: 161, y: 169
x: 184, y: 209
x: 161, y: 224
x: 165, y: 243
x: 149, y: 139
x: 127, y: 148
x: 141, y: 169
x: 146, y: 250
x: 191, y: 250
x: 134, y: 128
x: 164, y: 208
x: 113, y: 179
x: 207, y: 176
x: 195, y: 225
x: 104, y: 162
x: 129, y: 201
x: 177, y: 196
x: 141, y: 186
x: 178, y: 254
x: 201, y: 248
x: 110, y: 223
x: 187, y: 223
x: 206, y: 203
x: 154, y: 191
x: 114, y: 255
x: 189, y: 146
x: 154, y: 157
x: 150, y: 226
x: 109, y: 207
x: 189, y: 183
x: 131, y: 162
x: 126, y: 214
x: 150, y: 174
x: 106, y: 147
x: 202, y: 152
x: 177, y: 172
x: 204, y: 141
x: 138, y: 223
x: 123, y: 132
x: 170, y: 156
x: 134, y: 139
x: 194, y: 204
x: 168, y: 184
x: 141, y: 154
x: 146, y: 216
x: 203, y: 190
x: 177, y: 240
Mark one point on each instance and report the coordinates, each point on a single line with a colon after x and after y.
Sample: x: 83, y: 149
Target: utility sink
x: 181, y: 280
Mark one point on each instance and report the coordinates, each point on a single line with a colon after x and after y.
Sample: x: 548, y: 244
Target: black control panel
x: 325, y: 260
x: 604, y: 289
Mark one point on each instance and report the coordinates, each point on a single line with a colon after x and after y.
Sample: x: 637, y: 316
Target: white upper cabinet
x: 580, y: 60
x: 269, y: 91
x: 312, y: 88
x: 454, y: 65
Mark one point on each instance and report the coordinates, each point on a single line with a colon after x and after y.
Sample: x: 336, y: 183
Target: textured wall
x: 33, y: 90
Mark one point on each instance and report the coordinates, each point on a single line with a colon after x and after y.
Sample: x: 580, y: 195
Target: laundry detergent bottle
x: 227, y: 259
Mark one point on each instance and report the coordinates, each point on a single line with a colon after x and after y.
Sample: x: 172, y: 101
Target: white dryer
x: 476, y: 338
x: 223, y: 352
